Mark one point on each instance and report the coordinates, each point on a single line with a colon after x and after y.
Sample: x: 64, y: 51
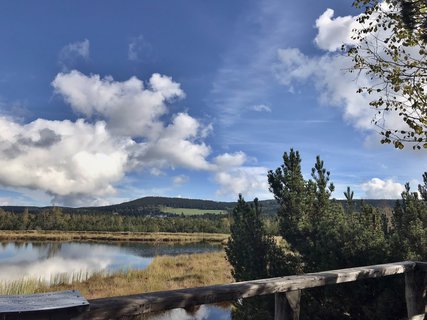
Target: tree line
x: 317, y: 234
x: 55, y: 219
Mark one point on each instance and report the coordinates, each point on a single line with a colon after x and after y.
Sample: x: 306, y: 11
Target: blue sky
x: 107, y: 101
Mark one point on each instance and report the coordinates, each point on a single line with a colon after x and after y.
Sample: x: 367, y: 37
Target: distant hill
x: 155, y: 205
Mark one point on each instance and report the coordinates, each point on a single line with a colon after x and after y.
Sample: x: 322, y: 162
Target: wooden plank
x: 287, y: 305
x: 111, y: 308
x: 416, y: 294
x: 421, y: 266
x: 10, y: 304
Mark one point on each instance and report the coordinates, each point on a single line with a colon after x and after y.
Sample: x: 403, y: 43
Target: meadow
x: 190, y: 211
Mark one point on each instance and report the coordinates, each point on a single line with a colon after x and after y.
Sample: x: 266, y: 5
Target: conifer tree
x: 254, y: 255
x: 323, y: 191
x: 349, y: 194
x: 289, y: 189
x: 409, y: 232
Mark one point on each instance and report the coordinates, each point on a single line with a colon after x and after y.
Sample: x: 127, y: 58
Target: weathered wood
x: 112, y: 308
x: 33, y: 305
x: 416, y: 293
x: 287, y: 305
x: 421, y: 265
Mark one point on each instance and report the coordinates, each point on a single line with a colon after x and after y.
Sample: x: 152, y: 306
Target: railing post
x: 287, y: 305
x: 416, y: 293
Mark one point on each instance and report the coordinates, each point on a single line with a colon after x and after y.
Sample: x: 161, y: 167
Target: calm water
x: 44, y: 260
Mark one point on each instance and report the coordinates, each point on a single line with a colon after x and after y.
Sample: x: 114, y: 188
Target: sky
x: 103, y: 102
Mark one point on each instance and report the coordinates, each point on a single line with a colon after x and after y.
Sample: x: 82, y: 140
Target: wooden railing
x: 287, y: 291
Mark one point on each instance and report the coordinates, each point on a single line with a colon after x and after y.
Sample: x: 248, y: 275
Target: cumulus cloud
x: 329, y: 74
x: 128, y: 107
x: 249, y: 181
x: 233, y: 177
x: 333, y: 33
x: 125, y: 127
x: 382, y: 189
x: 63, y: 158
x: 228, y: 160
x: 180, y: 179
x: 261, y: 108
x: 175, y: 145
x: 335, y: 85
x: 70, y: 53
x: 79, y: 163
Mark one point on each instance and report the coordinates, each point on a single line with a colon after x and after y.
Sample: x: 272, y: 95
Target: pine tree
x: 289, y: 189
x: 422, y: 189
x: 409, y: 232
x: 254, y: 255
x: 349, y: 194
x: 323, y: 191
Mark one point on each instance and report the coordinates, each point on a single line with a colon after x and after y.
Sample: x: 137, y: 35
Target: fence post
x: 287, y: 305
x: 416, y: 294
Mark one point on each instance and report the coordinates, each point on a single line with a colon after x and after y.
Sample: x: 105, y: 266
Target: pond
x: 46, y: 260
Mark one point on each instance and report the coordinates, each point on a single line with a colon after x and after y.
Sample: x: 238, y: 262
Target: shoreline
x: 123, y: 236
x: 164, y: 273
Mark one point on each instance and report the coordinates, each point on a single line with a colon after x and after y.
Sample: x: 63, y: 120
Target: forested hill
x: 162, y: 205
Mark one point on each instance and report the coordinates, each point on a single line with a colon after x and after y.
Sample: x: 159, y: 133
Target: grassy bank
x: 190, y: 211
x: 164, y: 273
x: 36, y: 235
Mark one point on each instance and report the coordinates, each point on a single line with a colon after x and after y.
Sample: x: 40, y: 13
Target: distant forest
x: 152, y: 206
x: 145, y: 215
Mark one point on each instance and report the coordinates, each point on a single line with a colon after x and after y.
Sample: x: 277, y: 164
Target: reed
x: 164, y: 273
x: 54, y: 235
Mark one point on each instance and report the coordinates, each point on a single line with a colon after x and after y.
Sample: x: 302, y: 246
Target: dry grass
x: 164, y: 273
x: 36, y: 235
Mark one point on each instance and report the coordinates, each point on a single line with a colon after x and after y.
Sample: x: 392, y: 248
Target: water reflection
x: 204, y: 312
x: 44, y: 261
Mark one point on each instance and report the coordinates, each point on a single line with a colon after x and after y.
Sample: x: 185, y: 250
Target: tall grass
x: 55, y: 235
x: 164, y: 273
x: 29, y: 285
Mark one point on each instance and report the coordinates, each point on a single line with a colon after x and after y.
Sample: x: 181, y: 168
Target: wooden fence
x: 287, y: 291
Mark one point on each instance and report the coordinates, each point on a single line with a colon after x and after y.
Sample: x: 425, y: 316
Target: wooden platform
x: 53, y: 302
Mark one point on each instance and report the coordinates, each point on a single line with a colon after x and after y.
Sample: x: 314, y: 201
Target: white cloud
x: 180, y: 179
x: 233, y: 177
x: 63, y: 158
x: 132, y: 110
x: 249, y: 181
x: 73, y: 51
x: 227, y: 160
x: 382, y: 189
x: 333, y: 33
x: 126, y: 128
x: 261, y: 108
x: 128, y: 107
x: 139, y: 48
x: 329, y: 74
x: 335, y: 85
x: 175, y: 146
x: 79, y: 163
